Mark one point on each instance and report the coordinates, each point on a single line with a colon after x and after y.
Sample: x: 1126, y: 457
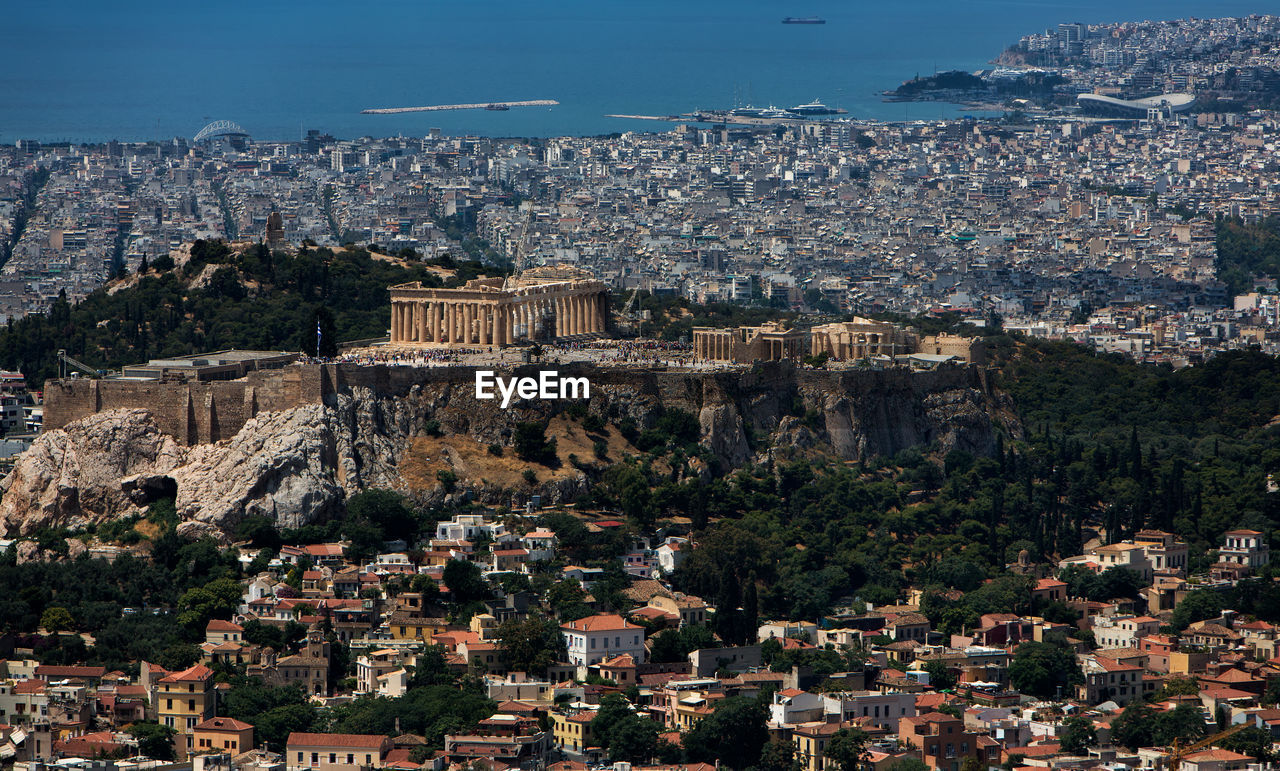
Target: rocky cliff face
x: 398, y: 429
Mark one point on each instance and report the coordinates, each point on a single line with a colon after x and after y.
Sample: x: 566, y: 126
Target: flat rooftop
x: 218, y: 365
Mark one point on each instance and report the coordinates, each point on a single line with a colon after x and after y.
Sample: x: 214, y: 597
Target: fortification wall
x: 195, y: 413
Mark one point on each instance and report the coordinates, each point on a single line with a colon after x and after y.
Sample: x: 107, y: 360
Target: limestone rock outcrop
x: 297, y: 465
x: 280, y: 465
x: 72, y: 477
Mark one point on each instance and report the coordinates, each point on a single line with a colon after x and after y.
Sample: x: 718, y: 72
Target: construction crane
x: 65, y: 363
x: 1179, y: 751
x: 633, y: 317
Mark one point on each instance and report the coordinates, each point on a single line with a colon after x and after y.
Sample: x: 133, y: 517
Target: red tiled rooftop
x: 191, y: 674
x: 300, y: 739
x: 599, y: 623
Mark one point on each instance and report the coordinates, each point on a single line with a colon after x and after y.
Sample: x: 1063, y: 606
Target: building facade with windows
x: 335, y: 752
x: 184, y: 700
x: 604, y: 636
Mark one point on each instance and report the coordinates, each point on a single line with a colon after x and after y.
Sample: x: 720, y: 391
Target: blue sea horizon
x: 137, y: 70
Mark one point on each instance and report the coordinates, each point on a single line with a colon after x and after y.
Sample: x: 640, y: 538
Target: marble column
x: 486, y: 331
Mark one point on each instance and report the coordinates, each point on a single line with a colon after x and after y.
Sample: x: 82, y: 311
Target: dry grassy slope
x: 472, y: 462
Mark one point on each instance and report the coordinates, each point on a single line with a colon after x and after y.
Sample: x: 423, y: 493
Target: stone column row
x: 716, y: 346
x: 464, y: 322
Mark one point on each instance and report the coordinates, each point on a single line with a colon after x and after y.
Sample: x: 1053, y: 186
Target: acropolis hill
x: 290, y: 443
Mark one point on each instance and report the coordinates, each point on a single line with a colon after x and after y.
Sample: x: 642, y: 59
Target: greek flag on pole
x: 317, y: 338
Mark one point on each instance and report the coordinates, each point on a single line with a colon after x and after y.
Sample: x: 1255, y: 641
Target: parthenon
x: 545, y: 303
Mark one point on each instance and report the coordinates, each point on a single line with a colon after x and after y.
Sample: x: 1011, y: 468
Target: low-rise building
x: 335, y: 752
x: 222, y: 735
x: 184, y: 700
x: 944, y: 743
x: 605, y: 635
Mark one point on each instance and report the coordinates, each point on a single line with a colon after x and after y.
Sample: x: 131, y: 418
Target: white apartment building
x: 1122, y: 631
x: 603, y: 636
x: 1245, y: 547
x: 882, y: 709
x: 465, y: 527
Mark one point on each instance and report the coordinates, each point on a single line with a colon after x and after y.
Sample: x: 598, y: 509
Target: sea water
x: 142, y: 69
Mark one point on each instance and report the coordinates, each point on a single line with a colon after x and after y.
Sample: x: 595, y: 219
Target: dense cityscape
x: 780, y: 440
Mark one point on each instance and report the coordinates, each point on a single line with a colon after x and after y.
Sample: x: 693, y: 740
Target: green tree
x: 848, y: 748
x: 625, y: 735
x: 216, y: 599
x: 1040, y: 668
x: 532, y: 445
x: 940, y: 676
x: 1184, y: 722
x: 634, y: 740
x: 272, y: 727
x: 178, y: 656
x: 465, y: 581
x: 56, y: 619
x: 1135, y: 727
x: 154, y: 740
x: 1078, y: 735
x: 432, y: 668
x: 530, y: 644
x: 734, y: 734
x: 779, y: 756
x: 568, y: 600
x: 1199, y: 605
x: 1251, y: 741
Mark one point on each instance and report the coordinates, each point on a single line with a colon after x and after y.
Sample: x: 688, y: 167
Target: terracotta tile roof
x: 1111, y: 665
x: 1036, y: 750
x: 53, y: 671
x: 1215, y: 754
x: 1230, y: 676
x: 603, y: 622
x: 370, y: 741
x: 191, y: 674
x: 223, y: 724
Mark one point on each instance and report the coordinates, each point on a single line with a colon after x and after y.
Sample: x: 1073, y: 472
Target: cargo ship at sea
x: 803, y: 20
